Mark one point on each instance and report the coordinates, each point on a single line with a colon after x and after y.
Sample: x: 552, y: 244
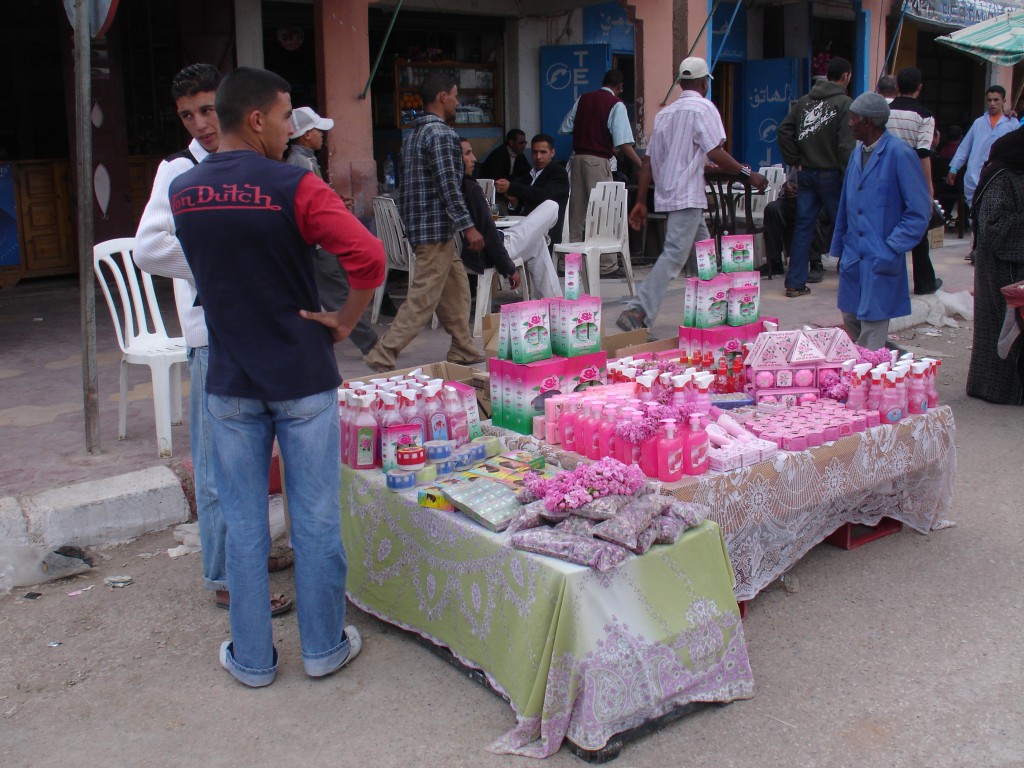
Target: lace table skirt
x: 774, y: 512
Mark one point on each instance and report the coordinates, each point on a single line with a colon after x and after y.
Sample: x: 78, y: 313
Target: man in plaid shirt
x: 432, y: 208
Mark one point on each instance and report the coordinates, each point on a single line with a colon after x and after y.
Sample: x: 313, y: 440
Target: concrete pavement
x: 905, y: 652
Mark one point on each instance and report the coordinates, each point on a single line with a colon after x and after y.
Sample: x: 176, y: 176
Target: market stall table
x: 580, y: 655
x: 772, y: 513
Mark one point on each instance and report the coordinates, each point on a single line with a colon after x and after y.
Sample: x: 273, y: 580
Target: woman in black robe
x: 999, y: 220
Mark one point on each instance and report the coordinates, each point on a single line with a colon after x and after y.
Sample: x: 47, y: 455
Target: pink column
x: 343, y: 66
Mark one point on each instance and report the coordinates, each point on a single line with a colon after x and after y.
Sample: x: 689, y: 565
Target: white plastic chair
x: 487, y: 185
x: 398, y: 251
x: 483, y: 294
x: 141, y: 335
x: 607, y: 231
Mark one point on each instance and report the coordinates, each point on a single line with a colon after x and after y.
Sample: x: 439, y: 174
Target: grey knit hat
x: 870, y: 105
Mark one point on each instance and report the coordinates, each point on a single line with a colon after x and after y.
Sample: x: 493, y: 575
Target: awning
x: 960, y: 14
x: 999, y: 40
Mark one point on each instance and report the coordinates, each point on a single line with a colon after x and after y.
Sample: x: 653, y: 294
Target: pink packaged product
x: 573, y: 275
x: 505, y: 332
x: 530, y: 331
x: 690, y: 302
x: 724, y: 459
x: 707, y: 259
x: 726, y: 340
x: 737, y: 253
x: 575, y: 326
x: 689, y: 340
x: 496, y: 369
x: 586, y: 371
x: 746, y: 279
x: 712, y: 302
x: 744, y: 305
x: 527, y: 386
x: 395, y: 437
x: 467, y: 395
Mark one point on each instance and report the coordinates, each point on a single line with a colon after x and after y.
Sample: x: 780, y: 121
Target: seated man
x: 779, y: 220
x: 524, y: 240
x: 547, y: 181
x: 506, y: 161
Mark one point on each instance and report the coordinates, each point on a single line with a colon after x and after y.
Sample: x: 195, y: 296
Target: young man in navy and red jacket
x: 248, y: 225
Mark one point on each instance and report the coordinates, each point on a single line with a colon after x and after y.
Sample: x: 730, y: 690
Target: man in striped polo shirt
x: 911, y: 121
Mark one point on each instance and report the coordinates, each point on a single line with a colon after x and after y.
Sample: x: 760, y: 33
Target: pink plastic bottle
x: 585, y: 427
x: 458, y: 420
x: 857, y: 399
x: 931, y: 378
x: 606, y: 437
x: 567, y: 422
x: 435, y: 414
x: 670, y: 453
x: 410, y: 412
x: 874, y: 398
x: 345, y: 413
x: 889, y: 411
x: 917, y: 394
x: 363, y: 432
x: 593, y: 440
x: 695, y: 448
x: 649, y: 454
x: 387, y: 416
x: 622, y: 445
x: 702, y: 400
x: 633, y: 449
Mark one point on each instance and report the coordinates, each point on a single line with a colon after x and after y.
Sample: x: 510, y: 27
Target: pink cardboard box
x: 528, y: 385
x: 586, y: 371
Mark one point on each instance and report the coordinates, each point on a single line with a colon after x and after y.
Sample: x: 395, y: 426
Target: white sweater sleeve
x: 157, y: 249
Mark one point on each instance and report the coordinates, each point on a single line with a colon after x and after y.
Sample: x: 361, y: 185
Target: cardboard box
x: 447, y: 371
x: 936, y: 237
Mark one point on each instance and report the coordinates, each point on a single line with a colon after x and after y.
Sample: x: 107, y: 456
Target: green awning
x: 999, y: 40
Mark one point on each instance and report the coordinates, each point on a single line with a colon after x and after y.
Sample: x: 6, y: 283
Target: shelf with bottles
x: 477, y: 92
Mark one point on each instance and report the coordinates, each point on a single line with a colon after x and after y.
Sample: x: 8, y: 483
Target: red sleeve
x: 324, y: 220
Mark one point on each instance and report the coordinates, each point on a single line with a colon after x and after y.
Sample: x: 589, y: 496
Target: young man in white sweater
x: 158, y: 251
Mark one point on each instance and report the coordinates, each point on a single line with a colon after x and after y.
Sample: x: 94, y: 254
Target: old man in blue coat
x: 883, y: 213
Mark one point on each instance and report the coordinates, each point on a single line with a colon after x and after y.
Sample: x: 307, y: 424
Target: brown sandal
x: 280, y: 559
x: 279, y: 604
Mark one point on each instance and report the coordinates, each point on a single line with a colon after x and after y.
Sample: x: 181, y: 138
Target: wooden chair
x: 141, y: 336
x: 607, y: 231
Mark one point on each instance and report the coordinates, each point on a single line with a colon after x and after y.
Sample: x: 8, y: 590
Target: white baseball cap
x: 305, y: 119
x: 694, y: 68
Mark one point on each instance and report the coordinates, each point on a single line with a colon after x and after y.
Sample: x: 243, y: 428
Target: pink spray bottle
x: 458, y: 420
x: 917, y: 394
x: 363, y: 431
x: 889, y: 411
x: 702, y: 401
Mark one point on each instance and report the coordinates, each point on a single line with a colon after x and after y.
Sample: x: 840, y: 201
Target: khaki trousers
x: 439, y: 285
x: 585, y: 171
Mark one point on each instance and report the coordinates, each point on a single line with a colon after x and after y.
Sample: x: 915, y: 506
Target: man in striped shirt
x: 911, y: 121
x: 686, y: 134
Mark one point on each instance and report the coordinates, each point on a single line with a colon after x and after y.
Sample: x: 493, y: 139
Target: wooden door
x: 45, y: 214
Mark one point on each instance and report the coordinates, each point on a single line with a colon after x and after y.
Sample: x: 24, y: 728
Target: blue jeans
x: 211, y: 517
x: 682, y: 229
x: 307, y: 433
x: 815, y: 189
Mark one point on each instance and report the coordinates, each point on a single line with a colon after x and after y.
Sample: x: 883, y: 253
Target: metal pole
x: 380, y: 53
x: 692, y: 47
x: 896, y: 40
x: 87, y: 295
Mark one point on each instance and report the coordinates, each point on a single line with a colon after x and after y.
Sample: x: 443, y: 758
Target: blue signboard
x: 9, y: 255
x: 771, y: 85
x: 735, y: 48
x: 608, y: 23
x: 566, y: 73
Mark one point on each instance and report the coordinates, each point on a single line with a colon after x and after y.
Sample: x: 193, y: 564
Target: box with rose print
x: 575, y: 326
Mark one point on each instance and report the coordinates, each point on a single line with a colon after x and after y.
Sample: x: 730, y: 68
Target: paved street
x: 905, y: 652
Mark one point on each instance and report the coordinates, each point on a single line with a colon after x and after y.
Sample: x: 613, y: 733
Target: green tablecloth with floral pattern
x: 579, y: 654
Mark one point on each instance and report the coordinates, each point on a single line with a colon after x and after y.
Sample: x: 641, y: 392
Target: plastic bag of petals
x: 528, y: 517
x: 670, y: 528
x: 599, y: 555
x: 578, y: 526
x: 647, y: 537
x: 604, y: 508
x: 691, y: 514
x: 630, y: 521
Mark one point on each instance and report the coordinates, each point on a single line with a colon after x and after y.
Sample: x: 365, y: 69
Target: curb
x: 96, y: 512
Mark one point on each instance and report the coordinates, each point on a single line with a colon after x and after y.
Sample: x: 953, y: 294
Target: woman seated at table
x: 999, y: 261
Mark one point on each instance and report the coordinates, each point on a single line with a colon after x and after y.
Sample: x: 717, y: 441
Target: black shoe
x: 631, y: 319
x: 817, y: 274
x: 933, y: 289
x: 774, y: 269
x: 619, y: 273
x: 792, y: 293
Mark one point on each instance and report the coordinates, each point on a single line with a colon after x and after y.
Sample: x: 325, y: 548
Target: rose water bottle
x: 363, y: 432
x: 567, y: 422
x: 458, y: 420
x: 890, y: 412
x: 594, y: 431
x: 695, y: 448
x: 649, y: 454
x: 917, y: 395
x: 670, y: 453
x: 606, y: 437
